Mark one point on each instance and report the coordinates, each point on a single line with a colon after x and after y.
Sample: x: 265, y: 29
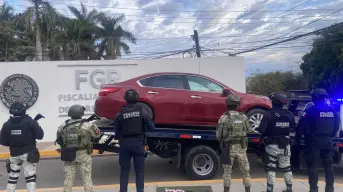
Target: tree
x: 42, y: 19
x: 16, y: 44
x: 323, y: 66
x: 267, y: 83
x: 112, y: 35
x: 88, y: 35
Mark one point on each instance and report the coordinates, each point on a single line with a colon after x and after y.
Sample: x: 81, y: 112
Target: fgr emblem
x: 19, y: 87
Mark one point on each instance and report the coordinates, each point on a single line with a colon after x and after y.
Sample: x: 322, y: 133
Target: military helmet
x: 131, y: 95
x: 233, y: 100
x: 17, y: 109
x: 76, y: 111
x: 278, y: 98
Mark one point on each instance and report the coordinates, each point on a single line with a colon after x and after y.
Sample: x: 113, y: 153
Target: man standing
x: 232, y: 131
x: 19, y: 133
x: 75, y: 138
x: 275, y: 128
x: 319, y: 124
x: 130, y: 129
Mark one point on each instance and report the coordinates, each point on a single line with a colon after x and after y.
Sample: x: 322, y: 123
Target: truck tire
x: 255, y: 117
x: 201, y: 163
x: 147, y: 108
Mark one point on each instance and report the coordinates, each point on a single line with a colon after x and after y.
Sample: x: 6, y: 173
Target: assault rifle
x: 38, y: 117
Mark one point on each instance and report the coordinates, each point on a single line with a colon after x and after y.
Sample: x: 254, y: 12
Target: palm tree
x: 6, y: 12
x: 78, y: 36
x: 42, y: 19
x: 112, y: 35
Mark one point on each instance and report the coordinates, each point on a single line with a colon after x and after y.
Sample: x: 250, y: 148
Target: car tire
x: 147, y: 108
x: 255, y: 113
x: 212, y: 160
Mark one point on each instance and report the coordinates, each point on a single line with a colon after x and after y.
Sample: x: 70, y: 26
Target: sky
x: 224, y: 26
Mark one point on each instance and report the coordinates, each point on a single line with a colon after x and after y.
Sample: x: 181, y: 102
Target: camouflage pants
x: 85, y: 162
x: 278, y: 160
x: 238, y: 153
x: 29, y: 173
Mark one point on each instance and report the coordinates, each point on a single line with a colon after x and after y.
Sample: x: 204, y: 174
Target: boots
x: 289, y: 188
x: 270, y: 188
x: 247, y: 189
x: 226, y: 189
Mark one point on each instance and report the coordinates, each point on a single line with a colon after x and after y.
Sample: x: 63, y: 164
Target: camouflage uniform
x: 283, y: 158
x: 225, y: 124
x: 29, y: 173
x: 83, y: 157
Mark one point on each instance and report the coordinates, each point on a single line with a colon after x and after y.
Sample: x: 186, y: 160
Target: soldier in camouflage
x: 275, y: 128
x: 233, y: 128
x: 77, y: 133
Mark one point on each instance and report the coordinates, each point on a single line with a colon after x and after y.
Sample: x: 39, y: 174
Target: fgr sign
x: 96, y: 77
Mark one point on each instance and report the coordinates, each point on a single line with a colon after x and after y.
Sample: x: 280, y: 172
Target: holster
x: 283, y: 142
x: 225, y: 154
x: 8, y: 166
x: 68, y: 154
x: 33, y: 156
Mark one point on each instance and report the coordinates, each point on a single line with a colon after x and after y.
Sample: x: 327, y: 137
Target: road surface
x: 106, y: 172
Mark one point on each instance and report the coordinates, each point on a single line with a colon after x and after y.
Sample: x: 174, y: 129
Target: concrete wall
x: 63, y: 83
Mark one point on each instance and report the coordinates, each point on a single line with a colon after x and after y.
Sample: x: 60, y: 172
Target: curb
x: 49, y: 154
x: 171, y: 183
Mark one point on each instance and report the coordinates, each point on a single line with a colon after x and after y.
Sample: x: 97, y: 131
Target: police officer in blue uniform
x: 275, y: 128
x: 19, y: 133
x: 131, y: 124
x: 319, y: 124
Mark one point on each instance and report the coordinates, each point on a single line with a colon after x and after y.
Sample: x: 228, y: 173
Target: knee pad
x: 31, y: 179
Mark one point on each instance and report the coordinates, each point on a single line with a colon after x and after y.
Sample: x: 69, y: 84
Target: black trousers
x: 131, y: 148
x: 314, y: 152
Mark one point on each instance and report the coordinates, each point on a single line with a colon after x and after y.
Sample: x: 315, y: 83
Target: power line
x: 291, y: 39
x: 178, y: 11
x: 314, y: 21
x: 275, y: 17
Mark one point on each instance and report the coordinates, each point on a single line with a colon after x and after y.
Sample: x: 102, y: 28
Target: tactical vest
x: 20, y: 133
x: 323, y: 123
x: 237, y: 128
x: 72, y: 135
x: 131, y: 121
x: 279, y: 124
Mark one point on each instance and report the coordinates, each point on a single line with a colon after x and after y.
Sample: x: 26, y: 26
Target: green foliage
x: 278, y: 81
x: 41, y: 32
x: 323, y: 66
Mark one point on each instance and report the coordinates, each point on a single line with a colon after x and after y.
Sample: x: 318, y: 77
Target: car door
x: 168, y: 96
x: 206, y: 101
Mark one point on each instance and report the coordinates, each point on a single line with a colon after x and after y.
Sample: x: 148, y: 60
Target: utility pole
x: 197, y: 46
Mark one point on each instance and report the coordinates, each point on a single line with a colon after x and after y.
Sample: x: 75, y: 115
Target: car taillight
x: 107, y: 90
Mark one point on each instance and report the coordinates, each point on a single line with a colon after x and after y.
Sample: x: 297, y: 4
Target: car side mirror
x: 226, y: 92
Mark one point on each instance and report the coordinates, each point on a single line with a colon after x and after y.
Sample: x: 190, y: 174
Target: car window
x: 145, y: 82
x: 167, y: 81
x: 202, y: 84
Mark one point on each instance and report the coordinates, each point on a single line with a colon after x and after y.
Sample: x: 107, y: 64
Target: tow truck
x: 196, y: 151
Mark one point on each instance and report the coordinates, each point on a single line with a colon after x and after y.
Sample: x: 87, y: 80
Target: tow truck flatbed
x: 186, y: 146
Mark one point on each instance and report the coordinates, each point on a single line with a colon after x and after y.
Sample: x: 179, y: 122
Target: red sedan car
x: 179, y: 99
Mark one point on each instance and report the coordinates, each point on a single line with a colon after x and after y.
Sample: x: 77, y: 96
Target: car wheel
x: 255, y: 117
x: 147, y: 108
x: 201, y: 163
